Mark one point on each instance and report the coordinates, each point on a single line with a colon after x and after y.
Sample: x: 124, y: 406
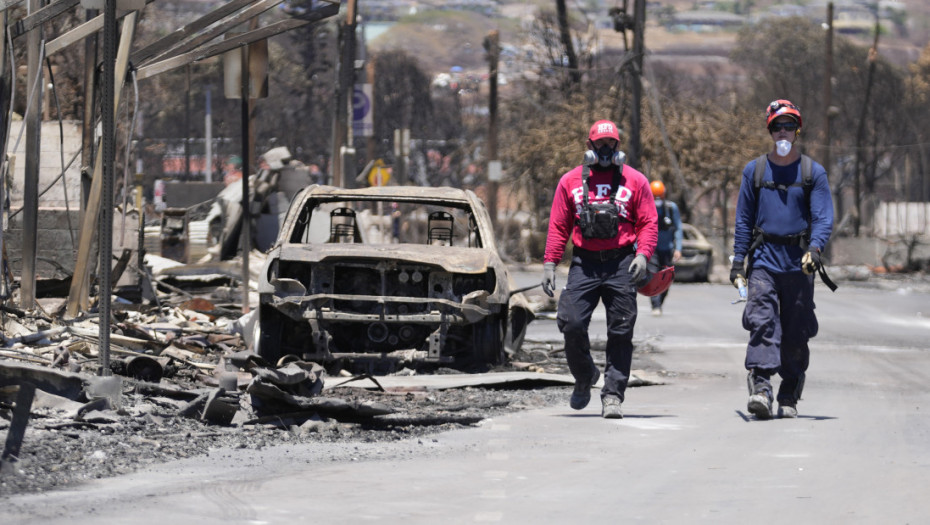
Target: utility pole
x: 246, y: 121
x: 401, y: 150
x: 6, y: 87
x: 639, y: 27
x: 208, y: 140
x: 860, y: 134
x: 370, y: 142
x: 33, y: 123
x: 830, y: 112
x: 492, y: 46
x: 108, y: 140
x: 87, y: 125
x: 345, y: 83
x: 828, y: 90
x: 187, y: 125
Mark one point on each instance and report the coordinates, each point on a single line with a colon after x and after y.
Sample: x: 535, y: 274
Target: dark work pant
x: 588, y: 283
x: 780, y: 318
x: 661, y: 258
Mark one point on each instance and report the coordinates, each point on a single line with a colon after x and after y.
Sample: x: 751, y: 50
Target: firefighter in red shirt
x: 607, y: 210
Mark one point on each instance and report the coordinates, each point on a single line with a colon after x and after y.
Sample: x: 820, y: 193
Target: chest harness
x: 600, y: 220
x: 801, y: 239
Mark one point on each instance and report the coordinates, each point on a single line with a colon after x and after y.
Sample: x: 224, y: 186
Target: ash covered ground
x: 58, y: 453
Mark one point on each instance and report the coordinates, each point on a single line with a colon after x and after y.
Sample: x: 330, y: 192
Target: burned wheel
x: 277, y: 335
x: 269, y: 334
x: 488, y: 340
x: 704, y: 275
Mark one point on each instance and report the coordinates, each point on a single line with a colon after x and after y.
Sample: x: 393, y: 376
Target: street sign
x: 379, y: 175
x: 362, y: 119
x: 494, y: 170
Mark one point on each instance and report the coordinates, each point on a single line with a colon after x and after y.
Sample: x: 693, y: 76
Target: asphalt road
x: 686, y: 451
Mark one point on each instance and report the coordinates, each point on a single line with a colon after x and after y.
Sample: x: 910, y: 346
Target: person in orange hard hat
x: 606, y: 209
x: 668, y: 248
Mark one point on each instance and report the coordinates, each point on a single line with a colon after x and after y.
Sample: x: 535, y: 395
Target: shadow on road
x: 625, y: 416
x: 747, y: 418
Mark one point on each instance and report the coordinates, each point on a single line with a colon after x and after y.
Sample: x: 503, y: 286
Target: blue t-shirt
x: 782, y: 212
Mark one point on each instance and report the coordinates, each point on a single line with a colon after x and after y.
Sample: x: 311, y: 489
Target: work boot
x: 611, y: 408
x: 760, y: 396
x: 787, y: 411
x: 581, y: 396
x: 789, y: 392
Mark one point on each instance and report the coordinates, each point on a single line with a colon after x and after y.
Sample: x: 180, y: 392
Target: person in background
x: 606, y: 209
x: 782, y: 226
x: 668, y: 248
x: 233, y: 170
x: 396, y: 217
x: 316, y: 174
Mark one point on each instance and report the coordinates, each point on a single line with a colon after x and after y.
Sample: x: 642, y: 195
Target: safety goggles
x: 783, y: 126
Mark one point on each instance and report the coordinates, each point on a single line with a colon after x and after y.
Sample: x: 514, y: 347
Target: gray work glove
x: 638, y: 268
x: 548, y: 282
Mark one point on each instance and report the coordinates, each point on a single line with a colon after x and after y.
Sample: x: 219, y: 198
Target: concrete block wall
x: 54, y: 246
x: 50, y: 161
x: 55, y: 252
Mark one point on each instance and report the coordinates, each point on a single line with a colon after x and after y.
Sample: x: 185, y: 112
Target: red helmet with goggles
x: 780, y: 107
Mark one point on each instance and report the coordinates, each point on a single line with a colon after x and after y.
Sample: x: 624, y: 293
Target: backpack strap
x: 585, y: 173
x: 759, y: 173
x: 807, y: 182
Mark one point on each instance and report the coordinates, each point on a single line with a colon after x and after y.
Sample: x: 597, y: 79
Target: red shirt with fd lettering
x: 638, y: 217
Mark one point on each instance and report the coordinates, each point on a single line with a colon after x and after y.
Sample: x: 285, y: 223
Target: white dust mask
x: 783, y: 148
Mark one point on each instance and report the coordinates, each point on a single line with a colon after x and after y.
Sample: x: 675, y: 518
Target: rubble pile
x: 182, y: 381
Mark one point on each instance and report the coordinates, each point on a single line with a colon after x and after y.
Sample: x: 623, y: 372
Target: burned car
x: 697, y: 256
x: 388, y: 275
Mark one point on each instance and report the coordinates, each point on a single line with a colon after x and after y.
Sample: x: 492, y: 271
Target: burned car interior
x: 445, y: 227
x: 376, y: 278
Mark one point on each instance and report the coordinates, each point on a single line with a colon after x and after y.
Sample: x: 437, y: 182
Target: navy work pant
x: 591, y: 281
x: 780, y: 318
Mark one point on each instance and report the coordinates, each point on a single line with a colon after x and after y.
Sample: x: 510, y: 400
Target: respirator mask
x: 604, y: 157
x: 600, y: 220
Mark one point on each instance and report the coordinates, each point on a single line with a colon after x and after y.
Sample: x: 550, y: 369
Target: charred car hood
x: 450, y: 258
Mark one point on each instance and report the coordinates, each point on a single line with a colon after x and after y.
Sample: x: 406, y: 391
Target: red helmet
x: 658, y: 189
x: 659, y: 282
x: 777, y: 108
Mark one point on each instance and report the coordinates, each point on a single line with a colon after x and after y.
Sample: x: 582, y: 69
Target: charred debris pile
x: 182, y: 371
